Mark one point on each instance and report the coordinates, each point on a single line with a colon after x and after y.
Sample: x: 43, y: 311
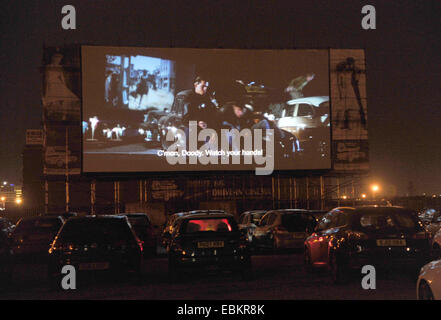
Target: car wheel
x: 436, y: 252
x: 424, y: 291
x: 307, y: 260
x: 337, y: 269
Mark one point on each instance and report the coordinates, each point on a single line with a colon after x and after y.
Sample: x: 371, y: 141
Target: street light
x: 18, y: 201
x: 363, y: 196
x: 374, y: 188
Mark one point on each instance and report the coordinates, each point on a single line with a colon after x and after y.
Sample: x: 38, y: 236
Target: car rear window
x: 380, y: 220
x: 95, y: 230
x: 205, y: 225
x: 298, y: 222
x: 39, y: 225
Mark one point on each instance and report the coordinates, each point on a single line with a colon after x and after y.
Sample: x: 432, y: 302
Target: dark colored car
x: 249, y: 220
x: 5, y: 258
x: 33, y: 236
x: 145, y: 231
x: 284, y: 229
x: 208, y: 241
x: 169, y: 226
x: 347, y: 238
x: 6, y: 227
x: 96, y: 243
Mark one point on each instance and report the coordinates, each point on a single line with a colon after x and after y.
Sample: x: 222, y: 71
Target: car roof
x: 206, y: 215
x: 289, y: 211
x: 315, y: 101
x: 255, y: 211
x: 134, y: 214
x: 381, y: 208
x: 58, y: 217
x: 208, y: 211
x: 99, y: 217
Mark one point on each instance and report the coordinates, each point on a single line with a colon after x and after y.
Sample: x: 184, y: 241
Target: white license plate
x: 210, y: 244
x: 391, y: 242
x: 94, y: 266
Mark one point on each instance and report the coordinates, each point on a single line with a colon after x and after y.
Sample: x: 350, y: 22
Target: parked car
x: 249, y: 220
x: 32, y: 237
x: 5, y: 258
x: 429, y: 282
x: 169, y: 226
x: 433, y: 224
x: 6, y: 227
x: 96, y: 243
x: 145, y: 231
x: 427, y: 215
x: 208, y: 241
x: 436, y: 245
x: 348, y: 238
x: 283, y: 229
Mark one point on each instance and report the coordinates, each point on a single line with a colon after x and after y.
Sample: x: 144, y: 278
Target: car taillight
x: 141, y: 245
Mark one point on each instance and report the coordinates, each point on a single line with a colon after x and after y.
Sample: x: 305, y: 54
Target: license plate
x: 210, y: 244
x: 94, y: 266
x: 391, y: 242
x: 298, y: 235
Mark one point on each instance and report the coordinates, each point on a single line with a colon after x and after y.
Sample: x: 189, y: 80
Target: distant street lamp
x: 374, y: 188
x: 18, y: 201
x: 363, y: 195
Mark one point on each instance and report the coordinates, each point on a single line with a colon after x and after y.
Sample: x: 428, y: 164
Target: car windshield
x: 395, y: 220
x: 212, y: 224
x: 99, y: 230
x: 43, y: 225
x: 298, y: 222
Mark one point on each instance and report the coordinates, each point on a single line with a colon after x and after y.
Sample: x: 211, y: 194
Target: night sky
x: 403, y: 58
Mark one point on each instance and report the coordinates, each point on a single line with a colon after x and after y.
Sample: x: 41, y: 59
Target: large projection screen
x: 176, y: 109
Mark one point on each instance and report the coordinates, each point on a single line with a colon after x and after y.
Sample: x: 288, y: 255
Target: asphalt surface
x: 276, y: 277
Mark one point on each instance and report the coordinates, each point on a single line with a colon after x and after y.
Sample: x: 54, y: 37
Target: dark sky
x: 403, y: 58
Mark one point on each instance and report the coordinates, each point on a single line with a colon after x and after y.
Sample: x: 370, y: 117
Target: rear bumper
x: 114, y: 262
x: 230, y: 262
x: 398, y: 258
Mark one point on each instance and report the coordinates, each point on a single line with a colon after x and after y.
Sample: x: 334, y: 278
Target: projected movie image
x: 159, y: 110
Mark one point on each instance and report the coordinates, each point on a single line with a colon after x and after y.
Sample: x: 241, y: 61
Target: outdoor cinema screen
x: 173, y: 109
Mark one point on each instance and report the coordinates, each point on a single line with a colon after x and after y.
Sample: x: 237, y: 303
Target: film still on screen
x: 161, y: 110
